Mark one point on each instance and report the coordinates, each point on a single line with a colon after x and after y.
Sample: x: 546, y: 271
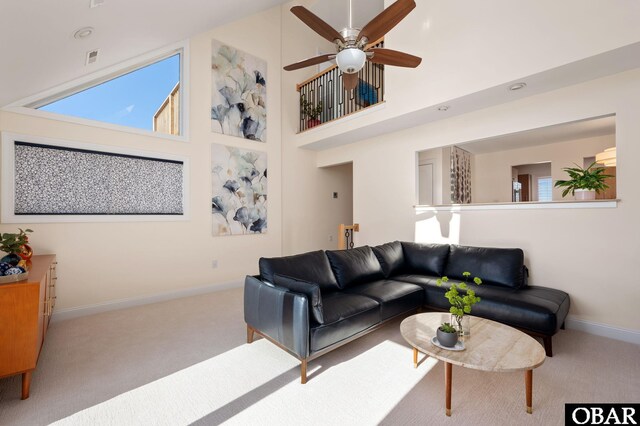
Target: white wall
x: 594, y: 250
x: 492, y: 171
x: 308, y: 217
x: 335, y: 211
x: 479, y: 45
x: 441, y: 160
x: 102, y: 262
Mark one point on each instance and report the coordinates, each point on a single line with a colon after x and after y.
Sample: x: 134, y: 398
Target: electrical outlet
x: 335, y: 195
x: 214, y: 263
x: 330, y: 238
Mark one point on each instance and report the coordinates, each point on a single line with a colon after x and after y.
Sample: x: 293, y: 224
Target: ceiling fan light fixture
x: 351, y: 60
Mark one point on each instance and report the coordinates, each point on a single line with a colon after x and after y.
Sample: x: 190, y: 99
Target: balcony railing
x: 326, y: 94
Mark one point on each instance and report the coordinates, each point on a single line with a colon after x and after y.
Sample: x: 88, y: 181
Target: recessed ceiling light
x: 83, y: 33
x: 517, y: 86
x: 443, y: 108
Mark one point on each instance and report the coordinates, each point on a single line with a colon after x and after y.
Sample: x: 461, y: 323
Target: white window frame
x: 7, y: 187
x: 550, y: 188
x: 27, y: 106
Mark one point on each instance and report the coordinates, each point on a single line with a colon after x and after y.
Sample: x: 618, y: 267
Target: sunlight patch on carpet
x: 259, y: 383
x: 190, y: 394
x: 370, y: 384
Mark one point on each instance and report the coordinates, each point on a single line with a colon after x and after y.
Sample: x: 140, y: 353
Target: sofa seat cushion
x: 425, y: 259
x: 391, y: 258
x: 344, y: 316
x: 497, y: 266
x: 313, y: 267
x: 537, y: 309
x: 421, y: 280
x: 395, y: 297
x: 354, y: 266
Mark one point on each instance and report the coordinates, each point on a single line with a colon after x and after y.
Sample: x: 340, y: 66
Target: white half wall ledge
x: 602, y: 65
x: 595, y: 204
x: 81, y: 311
x: 603, y: 330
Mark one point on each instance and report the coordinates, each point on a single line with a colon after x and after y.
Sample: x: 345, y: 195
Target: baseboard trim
x: 81, y: 311
x: 617, y: 333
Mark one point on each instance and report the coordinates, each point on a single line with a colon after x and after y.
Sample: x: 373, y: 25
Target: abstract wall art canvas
x: 238, y: 93
x: 59, y: 180
x: 239, y: 184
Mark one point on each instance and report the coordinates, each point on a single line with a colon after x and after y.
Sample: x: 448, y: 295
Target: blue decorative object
x: 12, y: 259
x: 366, y: 94
x: 4, y: 267
x: 14, y: 271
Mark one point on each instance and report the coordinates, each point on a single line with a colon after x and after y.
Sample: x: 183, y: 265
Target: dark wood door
x: 525, y: 191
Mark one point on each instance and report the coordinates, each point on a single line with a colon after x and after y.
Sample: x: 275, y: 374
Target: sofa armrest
x: 279, y: 314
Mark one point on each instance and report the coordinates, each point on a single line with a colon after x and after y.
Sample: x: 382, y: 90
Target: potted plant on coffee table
x: 447, y: 335
x: 584, y: 183
x: 461, y: 298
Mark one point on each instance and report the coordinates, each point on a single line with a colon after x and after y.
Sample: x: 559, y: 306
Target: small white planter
x: 585, y: 194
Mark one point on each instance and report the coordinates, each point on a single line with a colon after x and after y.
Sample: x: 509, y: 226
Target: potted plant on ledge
x: 583, y: 183
x: 311, y: 112
x: 461, y: 298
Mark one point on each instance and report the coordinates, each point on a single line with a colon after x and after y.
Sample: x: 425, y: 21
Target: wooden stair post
x: 345, y: 235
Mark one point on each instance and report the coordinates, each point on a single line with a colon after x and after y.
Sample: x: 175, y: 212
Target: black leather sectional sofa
x: 314, y: 302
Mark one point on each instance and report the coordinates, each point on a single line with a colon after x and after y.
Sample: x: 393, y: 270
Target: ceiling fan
x: 353, y: 44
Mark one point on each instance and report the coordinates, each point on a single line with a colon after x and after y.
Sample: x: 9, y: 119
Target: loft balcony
x: 324, y: 99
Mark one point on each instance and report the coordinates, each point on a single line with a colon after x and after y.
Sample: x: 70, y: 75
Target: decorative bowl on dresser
x: 25, y: 311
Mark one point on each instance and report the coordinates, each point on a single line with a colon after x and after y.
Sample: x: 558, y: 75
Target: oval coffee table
x: 491, y: 347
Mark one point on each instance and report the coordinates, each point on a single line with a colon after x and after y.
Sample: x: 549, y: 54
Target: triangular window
x: 147, y: 98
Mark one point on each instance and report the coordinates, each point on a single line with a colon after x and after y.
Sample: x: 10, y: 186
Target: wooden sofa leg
x: 249, y: 334
x: 547, y: 346
x: 303, y: 371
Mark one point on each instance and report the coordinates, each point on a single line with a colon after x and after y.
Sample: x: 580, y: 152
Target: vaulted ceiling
x: 38, y: 50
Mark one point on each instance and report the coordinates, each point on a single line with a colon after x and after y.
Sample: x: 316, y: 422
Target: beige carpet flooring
x: 186, y: 361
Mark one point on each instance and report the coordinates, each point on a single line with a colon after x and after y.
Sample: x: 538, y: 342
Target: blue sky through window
x: 128, y: 100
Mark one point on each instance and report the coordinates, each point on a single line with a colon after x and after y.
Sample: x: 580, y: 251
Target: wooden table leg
x: 528, y: 382
x: 26, y: 384
x: 415, y: 358
x: 447, y: 383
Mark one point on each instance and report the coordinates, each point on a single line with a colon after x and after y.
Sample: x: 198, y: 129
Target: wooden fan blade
x: 393, y: 57
x: 349, y: 81
x: 386, y: 20
x: 316, y: 24
x: 308, y: 62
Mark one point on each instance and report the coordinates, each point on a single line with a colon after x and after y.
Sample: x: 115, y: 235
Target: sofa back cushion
x: 390, y: 257
x: 496, y: 266
x: 425, y: 259
x: 355, y: 266
x: 313, y: 267
x: 309, y: 289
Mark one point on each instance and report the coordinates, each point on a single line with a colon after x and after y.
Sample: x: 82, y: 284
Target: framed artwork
x: 239, y: 191
x: 238, y: 93
x: 46, y: 180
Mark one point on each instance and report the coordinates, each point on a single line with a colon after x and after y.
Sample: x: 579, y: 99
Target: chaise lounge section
x: 312, y: 303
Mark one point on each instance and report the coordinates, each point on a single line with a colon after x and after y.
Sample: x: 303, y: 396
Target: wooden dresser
x: 25, y: 310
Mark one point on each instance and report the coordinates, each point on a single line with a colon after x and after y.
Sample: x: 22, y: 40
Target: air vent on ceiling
x: 96, y: 3
x: 92, y: 56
